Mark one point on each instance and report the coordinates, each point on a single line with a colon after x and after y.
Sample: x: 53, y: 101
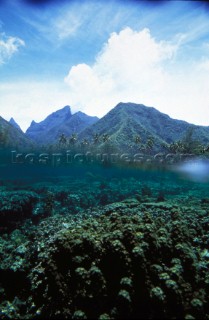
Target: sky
x: 92, y: 55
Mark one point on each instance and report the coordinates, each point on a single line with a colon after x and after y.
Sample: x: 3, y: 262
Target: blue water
x: 182, y: 180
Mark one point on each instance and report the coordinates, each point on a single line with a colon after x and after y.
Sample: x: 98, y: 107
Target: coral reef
x: 128, y: 259
x: 115, y: 245
x: 119, y: 265
x: 15, y: 206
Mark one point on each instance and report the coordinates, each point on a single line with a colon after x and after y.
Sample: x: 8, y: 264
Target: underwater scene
x: 102, y: 240
x: 104, y: 159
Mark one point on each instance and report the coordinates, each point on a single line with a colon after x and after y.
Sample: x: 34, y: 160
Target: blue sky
x: 93, y: 54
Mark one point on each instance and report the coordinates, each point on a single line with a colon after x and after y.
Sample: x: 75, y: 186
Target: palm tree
x: 62, y: 140
x: 150, y: 143
x: 85, y: 142
x: 96, y: 138
x: 137, y: 139
x: 105, y: 137
x: 73, y: 138
x: 177, y: 147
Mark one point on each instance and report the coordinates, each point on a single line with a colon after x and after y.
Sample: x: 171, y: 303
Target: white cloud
x: 60, y: 24
x: 135, y: 67
x: 57, y: 28
x: 129, y: 68
x: 66, y: 25
x: 8, y: 46
x: 132, y: 66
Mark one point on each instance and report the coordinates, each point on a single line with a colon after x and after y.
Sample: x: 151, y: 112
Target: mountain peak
x: 127, y: 120
x: 14, y: 124
x: 59, y: 115
x: 60, y: 121
x: 12, y: 136
x: 64, y: 110
x: 84, y: 115
x: 139, y: 109
x: 132, y: 105
x: 33, y: 123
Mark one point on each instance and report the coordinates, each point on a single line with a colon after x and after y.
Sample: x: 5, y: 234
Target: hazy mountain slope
x: 11, y: 137
x: 45, y: 130
x: 78, y: 122
x: 61, y: 121
x: 15, y: 124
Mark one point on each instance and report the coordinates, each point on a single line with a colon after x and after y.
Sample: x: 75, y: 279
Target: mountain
x: 15, y: 124
x: 77, y: 123
x: 46, y: 129
x: 118, y: 129
x: 61, y: 121
x: 128, y: 120
x: 12, y: 137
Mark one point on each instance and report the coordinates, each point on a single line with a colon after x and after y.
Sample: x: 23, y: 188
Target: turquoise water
x: 104, y: 240
x: 172, y: 182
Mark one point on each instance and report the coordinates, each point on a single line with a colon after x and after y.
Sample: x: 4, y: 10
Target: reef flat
x: 82, y: 255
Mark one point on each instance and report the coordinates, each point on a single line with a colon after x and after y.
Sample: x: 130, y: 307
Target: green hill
x: 127, y: 121
x: 12, y: 137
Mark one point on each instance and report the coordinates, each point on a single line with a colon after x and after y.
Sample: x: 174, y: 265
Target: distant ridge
x: 15, y: 124
x: 13, y: 137
x: 58, y: 122
x: 128, y: 126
